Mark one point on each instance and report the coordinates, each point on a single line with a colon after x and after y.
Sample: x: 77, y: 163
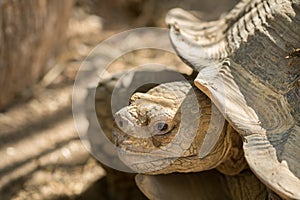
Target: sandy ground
x: 41, y: 154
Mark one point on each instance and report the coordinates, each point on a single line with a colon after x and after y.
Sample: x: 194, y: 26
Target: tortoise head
x: 162, y: 131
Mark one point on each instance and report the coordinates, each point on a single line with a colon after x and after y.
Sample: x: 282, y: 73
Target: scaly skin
x: 149, y: 140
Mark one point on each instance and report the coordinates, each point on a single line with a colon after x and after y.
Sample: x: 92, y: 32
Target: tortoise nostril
x: 120, y: 121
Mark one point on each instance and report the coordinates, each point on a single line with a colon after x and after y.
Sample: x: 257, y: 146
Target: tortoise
x: 248, y: 68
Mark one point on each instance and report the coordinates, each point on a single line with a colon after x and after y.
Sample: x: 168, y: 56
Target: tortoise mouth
x: 142, y: 156
x: 153, y: 162
x: 134, y: 144
x: 128, y: 143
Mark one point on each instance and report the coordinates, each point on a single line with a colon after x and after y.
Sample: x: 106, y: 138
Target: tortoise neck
x: 235, y: 161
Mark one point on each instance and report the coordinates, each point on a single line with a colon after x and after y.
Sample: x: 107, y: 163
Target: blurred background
x: 42, y: 45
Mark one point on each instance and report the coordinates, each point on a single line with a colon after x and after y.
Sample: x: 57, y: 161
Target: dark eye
x: 161, y: 126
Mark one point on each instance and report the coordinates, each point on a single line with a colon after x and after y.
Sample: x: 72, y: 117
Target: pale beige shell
x: 249, y: 66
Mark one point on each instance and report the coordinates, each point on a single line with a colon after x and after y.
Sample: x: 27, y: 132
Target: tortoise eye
x: 161, y: 127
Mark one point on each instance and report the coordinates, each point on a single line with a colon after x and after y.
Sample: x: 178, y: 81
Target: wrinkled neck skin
x: 227, y: 156
x: 234, y: 161
x: 155, y: 133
